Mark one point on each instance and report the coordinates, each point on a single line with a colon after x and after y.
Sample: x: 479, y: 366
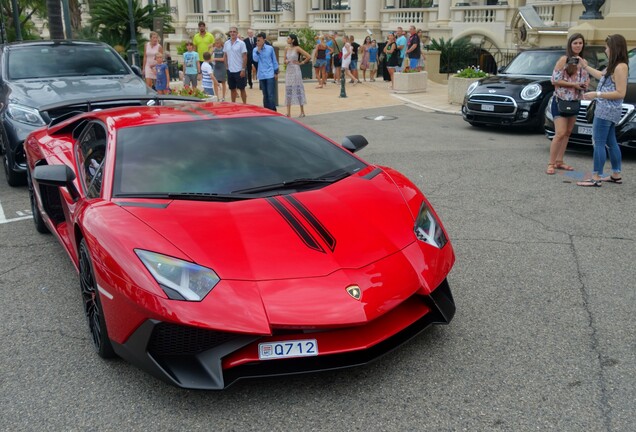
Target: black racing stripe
x: 295, y: 224
x: 325, y: 235
x: 207, y: 114
x: 191, y: 112
x: 372, y: 174
x: 139, y: 204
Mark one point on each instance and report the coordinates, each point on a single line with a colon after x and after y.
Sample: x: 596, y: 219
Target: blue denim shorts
x: 353, y: 65
x: 320, y: 63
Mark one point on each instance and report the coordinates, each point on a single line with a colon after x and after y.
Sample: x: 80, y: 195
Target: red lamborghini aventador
x: 218, y: 241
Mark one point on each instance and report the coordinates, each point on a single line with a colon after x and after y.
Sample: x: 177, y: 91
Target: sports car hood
x: 349, y: 224
x: 50, y: 91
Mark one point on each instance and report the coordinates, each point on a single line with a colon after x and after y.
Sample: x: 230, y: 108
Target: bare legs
x: 562, y: 130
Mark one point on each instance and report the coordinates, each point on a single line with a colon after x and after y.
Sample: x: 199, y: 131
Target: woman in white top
x: 346, y: 59
x: 152, y: 48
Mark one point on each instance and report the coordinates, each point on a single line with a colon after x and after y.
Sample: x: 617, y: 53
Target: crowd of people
x: 239, y: 61
x: 234, y: 63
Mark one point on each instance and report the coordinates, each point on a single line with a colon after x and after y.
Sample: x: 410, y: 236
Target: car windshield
x: 61, y: 60
x: 632, y: 66
x: 534, y: 63
x: 224, y: 156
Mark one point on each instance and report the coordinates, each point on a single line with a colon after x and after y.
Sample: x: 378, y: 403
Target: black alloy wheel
x: 92, y: 304
x: 13, y: 178
x: 40, y: 226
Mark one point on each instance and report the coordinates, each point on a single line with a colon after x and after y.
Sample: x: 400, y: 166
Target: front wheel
x: 13, y: 178
x: 93, y: 305
x: 40, y: 226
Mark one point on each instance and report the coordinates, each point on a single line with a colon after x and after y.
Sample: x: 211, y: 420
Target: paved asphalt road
x: 543, y: 338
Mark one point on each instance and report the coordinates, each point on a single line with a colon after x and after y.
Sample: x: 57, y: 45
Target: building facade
x: 496, y: 26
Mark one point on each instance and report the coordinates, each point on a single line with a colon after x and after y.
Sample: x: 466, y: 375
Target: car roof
x: 132, y: 116
x: 43, y: 42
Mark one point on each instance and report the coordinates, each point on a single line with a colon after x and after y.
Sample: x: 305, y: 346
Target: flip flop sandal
x: 589, y: 183
x: 550, y: 170
x: 611, y: 179
x: 563, y: 166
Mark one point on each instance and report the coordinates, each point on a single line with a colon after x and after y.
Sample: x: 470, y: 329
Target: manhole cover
x: 380, y: 118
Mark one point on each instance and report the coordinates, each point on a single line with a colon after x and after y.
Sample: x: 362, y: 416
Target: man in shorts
x: 236, y: 61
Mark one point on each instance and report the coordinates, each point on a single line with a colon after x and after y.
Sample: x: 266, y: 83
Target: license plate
x: 585, y: 130
x: 288, y: 349
x: 488, y: 107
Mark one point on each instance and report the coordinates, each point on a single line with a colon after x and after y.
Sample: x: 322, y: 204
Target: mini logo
x: 492, y: 91
x: 354, y: 291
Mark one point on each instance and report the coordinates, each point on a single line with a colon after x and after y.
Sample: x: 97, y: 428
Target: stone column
x: 182, y: 10
x: 243, y: 15
x: 443, y: 13
x: 373, y: 14
x: 357, y: 12
x: 300, y: 13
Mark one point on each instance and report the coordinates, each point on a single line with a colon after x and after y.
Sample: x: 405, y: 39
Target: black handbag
x: 589, y: 113
x: 567, y: 107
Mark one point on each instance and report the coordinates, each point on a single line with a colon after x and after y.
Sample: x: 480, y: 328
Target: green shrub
x: 471, y: 72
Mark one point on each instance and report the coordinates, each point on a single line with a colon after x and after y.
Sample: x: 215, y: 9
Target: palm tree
x: 109, y: 19
x: 54, y: 11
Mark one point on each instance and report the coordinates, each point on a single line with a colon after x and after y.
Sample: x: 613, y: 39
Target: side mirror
x: 501, y: 69
x: 353, y: 143
x: 56, y: 175
x: 137, y: 70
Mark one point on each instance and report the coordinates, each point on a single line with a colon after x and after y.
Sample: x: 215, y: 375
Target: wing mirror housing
x: 353, y: 143
x: 137, y: 70
x: 56, y: 175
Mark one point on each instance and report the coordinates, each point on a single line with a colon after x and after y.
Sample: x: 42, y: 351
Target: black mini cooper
x: 519, y: 94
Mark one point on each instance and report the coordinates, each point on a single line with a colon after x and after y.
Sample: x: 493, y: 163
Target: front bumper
x: 582, y: 131
x: 197, y: 358
x: 15, y: 134
x: 499, y: 110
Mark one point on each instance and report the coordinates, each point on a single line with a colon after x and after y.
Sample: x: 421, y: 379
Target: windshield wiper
x: 294, y: 183
x: 194, y: 196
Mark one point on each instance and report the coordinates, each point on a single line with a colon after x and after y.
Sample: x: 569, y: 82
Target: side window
x: 91, y: 156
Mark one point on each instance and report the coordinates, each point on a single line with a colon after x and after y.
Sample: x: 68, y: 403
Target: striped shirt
x: 206, y: 75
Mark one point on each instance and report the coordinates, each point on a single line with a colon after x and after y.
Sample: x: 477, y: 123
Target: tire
x: 13, y: 178
x: 93, y: 305
x: 540, y: 126
x: 40, y: 226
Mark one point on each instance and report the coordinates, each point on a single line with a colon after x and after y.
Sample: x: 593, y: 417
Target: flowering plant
x: 471, y: 72
x: 409, y: 70
x: 191, y: 92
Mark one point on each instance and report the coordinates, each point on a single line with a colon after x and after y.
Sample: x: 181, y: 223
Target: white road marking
x: 22, y: 215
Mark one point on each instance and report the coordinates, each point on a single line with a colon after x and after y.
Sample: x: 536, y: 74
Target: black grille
x: 581, y: 117
x: 491, y: 98
x: 499, y: 104
x: 171, y: 339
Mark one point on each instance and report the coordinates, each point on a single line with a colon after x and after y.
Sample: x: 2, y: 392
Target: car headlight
x: 25, y: 114
x: 180, y: 280
x: 471, y: 88
x: 531, y: 92
x: 428, y: 229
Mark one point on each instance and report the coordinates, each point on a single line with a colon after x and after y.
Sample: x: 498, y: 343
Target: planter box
x: 457, y: 88
x: 307, y: 70
x: 413, y: 82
